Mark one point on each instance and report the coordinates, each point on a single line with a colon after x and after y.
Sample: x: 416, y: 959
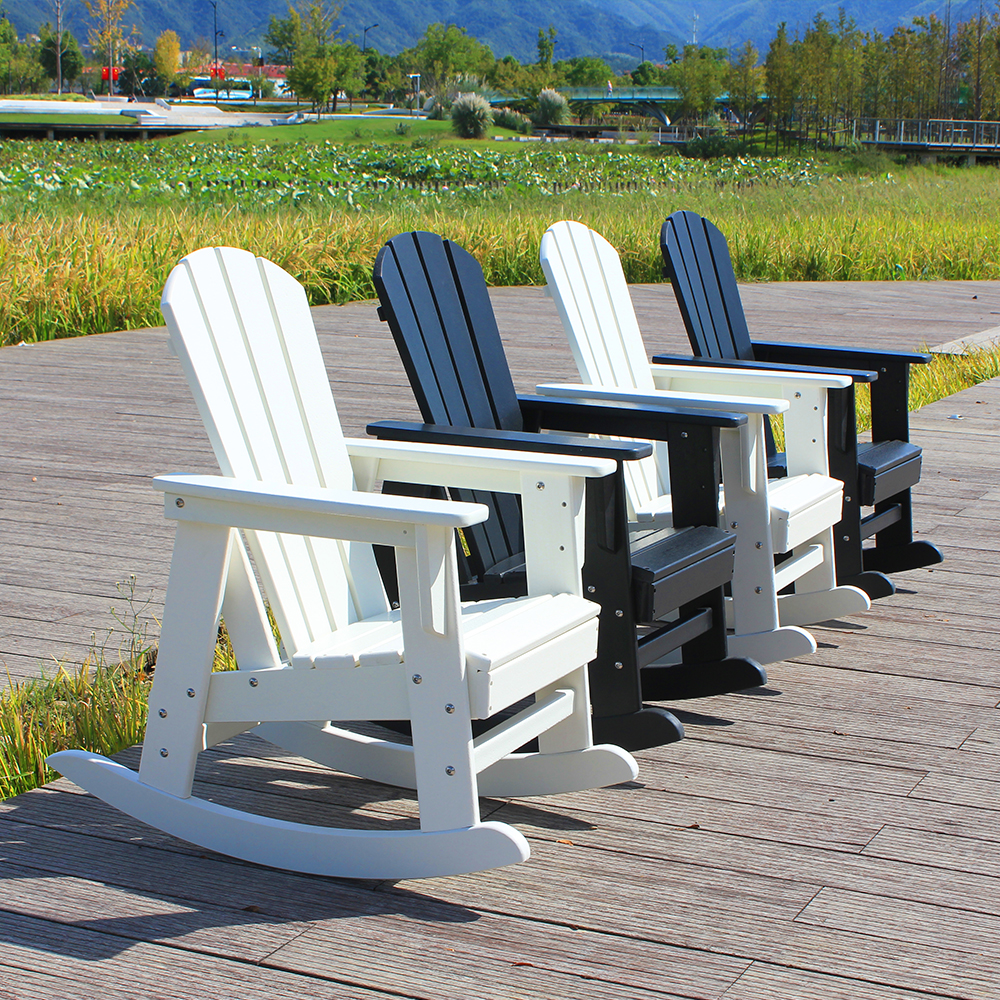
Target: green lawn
x: 66, y: 119
x: 361, y: 130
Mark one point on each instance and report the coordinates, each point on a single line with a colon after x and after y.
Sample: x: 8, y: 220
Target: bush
x: 553, y: 109
x: 471, y: 116
x: 713, y: 146
x: 509, y: 118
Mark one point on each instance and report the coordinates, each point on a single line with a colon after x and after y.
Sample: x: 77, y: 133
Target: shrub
x: 713, y: 146
x: 553, y: 109
x: 471, y: 116
x: 509, y: 118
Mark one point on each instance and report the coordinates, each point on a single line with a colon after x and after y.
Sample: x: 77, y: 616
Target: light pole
x: 642, y: 51
x: 364, y: 37
x: 216, y: 34
x: 415, y: 81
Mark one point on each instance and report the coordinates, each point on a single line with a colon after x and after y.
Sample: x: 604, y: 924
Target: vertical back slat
x: 245, y: 336
x: 701, y: 273
x: 588, y: 285
x: 437, y: 307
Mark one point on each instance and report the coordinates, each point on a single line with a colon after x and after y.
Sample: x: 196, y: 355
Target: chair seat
x: 885, y: 469
x: 671, y: 566
x: 802, y: 506
x: 511, y: 646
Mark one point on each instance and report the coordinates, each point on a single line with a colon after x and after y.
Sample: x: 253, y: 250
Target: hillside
x: 613, y: 29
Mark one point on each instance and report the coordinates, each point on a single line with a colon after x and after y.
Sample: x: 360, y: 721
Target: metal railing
x: 931, y: 133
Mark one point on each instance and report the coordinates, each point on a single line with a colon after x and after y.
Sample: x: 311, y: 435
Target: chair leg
x: 651, y: 726
x: 179, y: 695
x: 895, y: 550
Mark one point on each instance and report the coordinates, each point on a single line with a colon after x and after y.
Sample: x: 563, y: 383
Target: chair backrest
x: 434, y: 297
x: 697, y: 261
x: 242, y: 329
x: 585, y: 277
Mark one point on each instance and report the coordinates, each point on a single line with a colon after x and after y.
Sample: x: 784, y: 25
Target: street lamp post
x: 364, y: 37
x: 415, y: 82
x: 216, y: 34
x: 642, y: 51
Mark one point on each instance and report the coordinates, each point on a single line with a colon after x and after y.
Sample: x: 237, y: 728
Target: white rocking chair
x: 244, y: 334
x: 794, y: 515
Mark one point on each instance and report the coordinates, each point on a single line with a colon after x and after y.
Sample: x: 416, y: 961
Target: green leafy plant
x: 552, y: 109
x: 509, y: 118
x: 471, y: 116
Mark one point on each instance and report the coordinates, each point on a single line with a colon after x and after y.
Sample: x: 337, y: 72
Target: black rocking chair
x: 660, y: 590
x: 877, y: 475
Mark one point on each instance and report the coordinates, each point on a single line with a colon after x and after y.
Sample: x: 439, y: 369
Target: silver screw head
x: 162, y: 713
x: 450, y: 709
x: 734, y: 524
x: 847, y: 538
x: 758, y: 545
x: 164, y: 752
x: 179, y: 502
x: 450, y: 771
x: 253, y: 682
x: 417, y: 679
x: 757, y: 590
x: 798, y: 395
x: 619, y: 613
x: 684, y: 434
x: 591, y: 590
x: 619, y: 665
x: 190, y: 692
x: 539, y: 486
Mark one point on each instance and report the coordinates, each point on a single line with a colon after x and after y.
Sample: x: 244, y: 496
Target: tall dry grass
x: 67, y: 271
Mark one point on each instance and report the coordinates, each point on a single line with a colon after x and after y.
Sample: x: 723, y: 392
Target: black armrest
x: 857, y: 375
x: 602, y: 416
x: 847, y: 357
x: 481, y: 437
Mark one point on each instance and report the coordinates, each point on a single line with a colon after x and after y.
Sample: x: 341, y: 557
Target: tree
x: 780, y: 79
x: 585, y: 71
x: 816, y: 74
x: 139, y: 77
x: 57, y: 6
x: 322, y: 66
x: 107, y: 35
x: 167, y: 54
x: 446, y: 50
x: 700, y: 78
x: 546, y: 46
x: 60, y: 56
x: 744, y: 81
x: 280, y: 40
x: 648, y: 74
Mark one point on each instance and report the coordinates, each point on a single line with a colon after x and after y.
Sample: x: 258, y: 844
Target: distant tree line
x: 810, y: 85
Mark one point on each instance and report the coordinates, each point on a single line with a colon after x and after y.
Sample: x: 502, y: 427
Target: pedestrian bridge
x: 931, y: 137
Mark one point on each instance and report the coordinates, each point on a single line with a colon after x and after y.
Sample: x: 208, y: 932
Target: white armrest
x: 305, y: 510
x: 469, y: 468
x: 743, y: 381
x: 659, y: 397
x: 806, y: 393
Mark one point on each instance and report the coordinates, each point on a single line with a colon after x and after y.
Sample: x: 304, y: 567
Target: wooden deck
x: 832, y: 837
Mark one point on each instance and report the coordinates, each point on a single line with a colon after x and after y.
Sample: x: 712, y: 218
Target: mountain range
x: 620, y: 31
